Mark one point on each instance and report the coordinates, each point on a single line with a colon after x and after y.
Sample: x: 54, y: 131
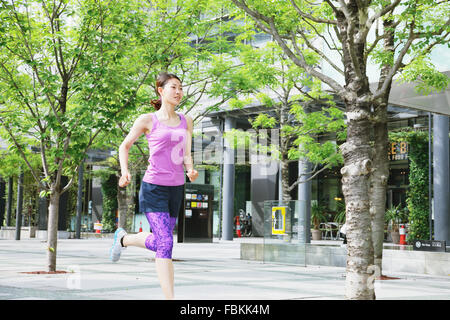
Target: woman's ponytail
x: 156, y: 103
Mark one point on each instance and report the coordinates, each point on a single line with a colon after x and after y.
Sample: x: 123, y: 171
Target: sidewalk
x: 208, y: 271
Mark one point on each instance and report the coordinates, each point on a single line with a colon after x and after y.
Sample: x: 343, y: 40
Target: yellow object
x: 278, y: 220
x: 98, y: 226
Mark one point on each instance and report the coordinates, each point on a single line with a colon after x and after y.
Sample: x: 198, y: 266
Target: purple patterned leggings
x: 161, y: 239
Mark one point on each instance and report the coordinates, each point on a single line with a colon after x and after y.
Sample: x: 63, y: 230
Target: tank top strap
x: 183, y: 120
x: 155, y: 121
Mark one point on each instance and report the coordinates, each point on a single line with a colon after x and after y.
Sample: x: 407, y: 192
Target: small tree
x: 302, y: 112
x: 67, y: 69
x: 200, y: 56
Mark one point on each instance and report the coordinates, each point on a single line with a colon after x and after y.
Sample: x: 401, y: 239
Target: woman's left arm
x: 188, y: 162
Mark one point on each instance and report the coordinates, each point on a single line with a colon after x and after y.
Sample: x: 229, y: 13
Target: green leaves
x: 44, y: 194
x: 428, y: 79
x: 417, y: 194
x: 382, y: 57
x: 311, y: 126
x: 263, y: 121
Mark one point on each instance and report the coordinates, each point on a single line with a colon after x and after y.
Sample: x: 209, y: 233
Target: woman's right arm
x: 140, y: 126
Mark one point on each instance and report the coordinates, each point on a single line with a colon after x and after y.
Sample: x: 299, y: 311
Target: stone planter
x: 395, y: 236
x: 10, y: 232
x: 316, y: 234
x: 42, y: 234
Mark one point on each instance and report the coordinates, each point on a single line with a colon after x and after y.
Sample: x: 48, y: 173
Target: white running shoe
x: 116, y: 249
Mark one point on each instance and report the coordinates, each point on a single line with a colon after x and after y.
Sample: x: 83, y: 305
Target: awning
x: 405, y: 95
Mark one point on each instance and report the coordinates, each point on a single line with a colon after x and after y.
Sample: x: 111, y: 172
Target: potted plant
x: 317, y: 217
x: 340, y: 213
x: 339, y: 218
x: 395, y: 216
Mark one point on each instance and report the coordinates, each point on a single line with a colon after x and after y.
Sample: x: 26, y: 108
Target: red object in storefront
x: 402, y: 232
x: 98, y: 227
x: 238, y: 227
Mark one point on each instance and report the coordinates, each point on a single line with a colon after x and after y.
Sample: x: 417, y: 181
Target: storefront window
x: 329, y: 191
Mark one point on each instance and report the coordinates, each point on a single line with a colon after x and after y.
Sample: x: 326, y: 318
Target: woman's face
x: 172, y: 92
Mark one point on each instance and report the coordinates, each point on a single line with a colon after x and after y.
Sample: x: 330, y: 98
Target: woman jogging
x: 161, y: 194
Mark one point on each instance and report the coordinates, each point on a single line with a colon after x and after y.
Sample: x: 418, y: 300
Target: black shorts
x: 156, y: 198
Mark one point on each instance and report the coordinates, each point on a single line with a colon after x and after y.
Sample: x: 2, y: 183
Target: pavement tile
x: 203, y: 271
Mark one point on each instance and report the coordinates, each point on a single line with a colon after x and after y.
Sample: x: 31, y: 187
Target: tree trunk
x: 122, y: 206
x: 285, y: 180
x: 284, y: 148
x: 355, y: 186
x: 52, y: 230
x: 380, y: 159
x: 130, y: 191
x: 379, y: 180
x: 357, y: 153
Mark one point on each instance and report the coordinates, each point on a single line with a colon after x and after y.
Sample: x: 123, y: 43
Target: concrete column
x: 280, y: 184
x: 441, y: 178
x: 43, y: 212
x: 79, y: 201
x: 63, y: 214
x: 304, y: 194
x: 304, y: 191
x: 9, y: 202
x: 2, y: 200
x: 228, y: 185
x: 19, y: 206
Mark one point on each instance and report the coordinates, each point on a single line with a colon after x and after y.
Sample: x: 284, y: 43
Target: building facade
x: 263, y: 179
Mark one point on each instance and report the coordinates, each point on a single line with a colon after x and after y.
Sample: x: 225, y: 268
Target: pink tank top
x: 167, y: 147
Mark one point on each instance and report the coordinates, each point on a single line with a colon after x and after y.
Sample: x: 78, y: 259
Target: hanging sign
x: 398, y: 151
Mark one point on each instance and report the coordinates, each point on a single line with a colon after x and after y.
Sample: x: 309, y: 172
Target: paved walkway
x: 209, y: 271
